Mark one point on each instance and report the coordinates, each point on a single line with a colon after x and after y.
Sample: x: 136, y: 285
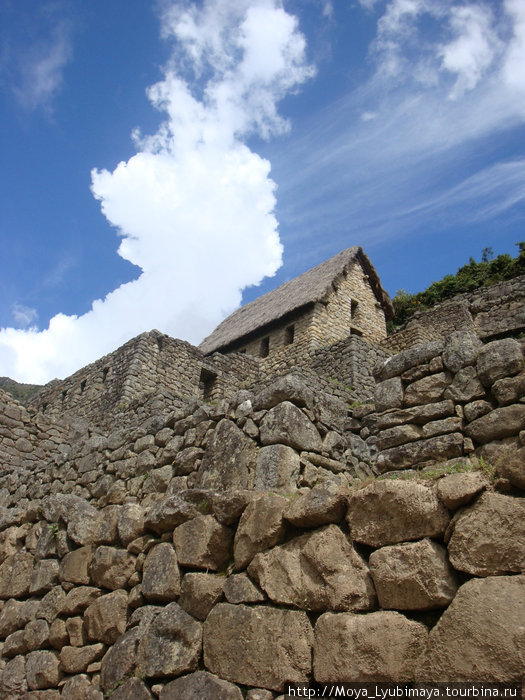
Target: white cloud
x: 41, y: 70
x: 24, y: 315
x: 195, y: 205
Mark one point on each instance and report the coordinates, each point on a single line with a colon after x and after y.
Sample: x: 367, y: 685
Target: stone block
x: 161, y: 576
x: 317, y: 571
x: 318, y: 506
x: 286, y: 424
x: 105, y: 619
x: 413, y: 576
x: 277, y: 469
x: 200, y: 592
x: 203, y: 543
x: 435, y: 449
x: 111, y: 567
x: 430, y: 389
x: 457, y: 490
x: 261, y: 526
x: 498, y: 359
x: 388, y: 394
x: 378, y: 647
x: 499, y: 423
x: 200, y: 684
x: 388, y: 512
x: 275, y: 645
x: 461, y: 349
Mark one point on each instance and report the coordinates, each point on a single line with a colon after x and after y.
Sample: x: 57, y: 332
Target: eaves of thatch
x: 312, y: 286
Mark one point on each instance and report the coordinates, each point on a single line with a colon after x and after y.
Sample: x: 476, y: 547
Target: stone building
x: 340, y: 297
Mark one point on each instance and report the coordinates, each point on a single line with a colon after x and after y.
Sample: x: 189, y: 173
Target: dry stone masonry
x: 175, y: 524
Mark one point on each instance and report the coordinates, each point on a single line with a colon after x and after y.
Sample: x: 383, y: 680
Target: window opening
x: 353, y: 308
x: 82, y: 386
x: 265, y: 347
x: 207, y: 383
x: 289, y: 335
x: 105, y: 373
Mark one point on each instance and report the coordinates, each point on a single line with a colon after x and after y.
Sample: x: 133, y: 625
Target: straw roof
x: 306, y: 289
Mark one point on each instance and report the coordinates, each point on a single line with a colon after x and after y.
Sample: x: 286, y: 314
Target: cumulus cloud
x: 194, y: 206
x: 24, y: 315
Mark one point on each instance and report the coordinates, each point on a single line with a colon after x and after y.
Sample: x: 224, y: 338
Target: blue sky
x: 166, y: 161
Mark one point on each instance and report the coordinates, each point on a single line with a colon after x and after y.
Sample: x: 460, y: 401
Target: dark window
x: 353, y: 308
x: 265, y: 347
x: 160, y: 343
x: 64, y: 394
x: 207, y: 383
x: 82, y: 386
x: 105, y: 373
x: 289, y: 335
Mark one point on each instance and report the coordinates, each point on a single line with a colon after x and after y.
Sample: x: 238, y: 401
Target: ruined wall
x: 206, y: 594
x: 446, y: 399
x: 490, y: 312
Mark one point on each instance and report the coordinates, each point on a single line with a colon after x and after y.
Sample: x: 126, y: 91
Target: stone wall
x: 490, y: 312
x: 208, y: 594
x: 446, y: 399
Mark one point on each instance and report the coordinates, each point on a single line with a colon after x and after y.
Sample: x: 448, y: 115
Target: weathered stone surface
x: 439, y: 448
x: 319, y: 506
x: 77, y: 659
x: 461, y: 349
x: 74, y: 567
x: 413, y: 576
x: 171, y: 644
x: 42, y: 670
x: 509, y: 389
x: 476, y: 409
x: 398, y: 435
x: 261, y: 526
x: 396, y: 365
x: 316, y: 571
x: 79, y: 688
x: 13, y: 679
x: 512, y: 467
x: 76, y: 631
x: 119, y: 660
x: 498, y: 359
x: 274, y: 645
x: 130, y: 522
x: 285, y: 424
x: 459, y: 489
x: 465, y: 386
x: 388, y: 512
x: 15, y: 575
x: 229, y: 460
x: 200, y: 592
x: 239, y: 589
x: 427, y: 390
x: 44, y: 576
x: 58, y: 635
x: 480, y: 635
x: 277, y: 469
x: 417, y: 414
x: 51, y: 604
x: 161, y: 576
x: 500, y: 423
x: 200, y: 684
x: 12, y: 617
x: 378, y: 647
x: 132, y: 689
x: 489, y: 537
x: 388, y: 394
x: 87, y: 525
x: 185, y: 461
x: 288, y: 388
x: 111, y: 568
x: 166, y: 514
x: 106, y: 617
x: 203, y: 543
x: 78, y: 599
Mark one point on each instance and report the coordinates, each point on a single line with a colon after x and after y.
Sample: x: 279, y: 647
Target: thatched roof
x: 310, y: 287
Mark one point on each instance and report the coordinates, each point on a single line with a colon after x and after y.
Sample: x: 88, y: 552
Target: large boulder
x: 434, y: 449
x: 427, y: 390
x: 277, y: 469
x: 15, y: 575
x: 160, y: 575
x: 461, y: 349
x: 465, y: 386
x: 388, y: 394
x: 480, y: 637
x: 413, y: 576
x: 378, y: 647
x: 167, y: 513
x: 388, y: 512
x: 105, y: 619
x: 288, y: 388
x: 170, y: 645
x: 229, y: 460
x: 318, y: 506
x: 200, y: 684
x: 500, y: 423
x: 202, y: 543
x: 498, y: 359
x: 261, y: 526
x: 260, y: 646
x: 111, y: 567
x: 317, y: 571
x: 418, y: 355
x: 489, y: 537
x: 285, y: 424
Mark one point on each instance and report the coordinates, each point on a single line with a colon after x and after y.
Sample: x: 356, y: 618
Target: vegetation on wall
x: 21, y: 392
x: 471, y: 276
